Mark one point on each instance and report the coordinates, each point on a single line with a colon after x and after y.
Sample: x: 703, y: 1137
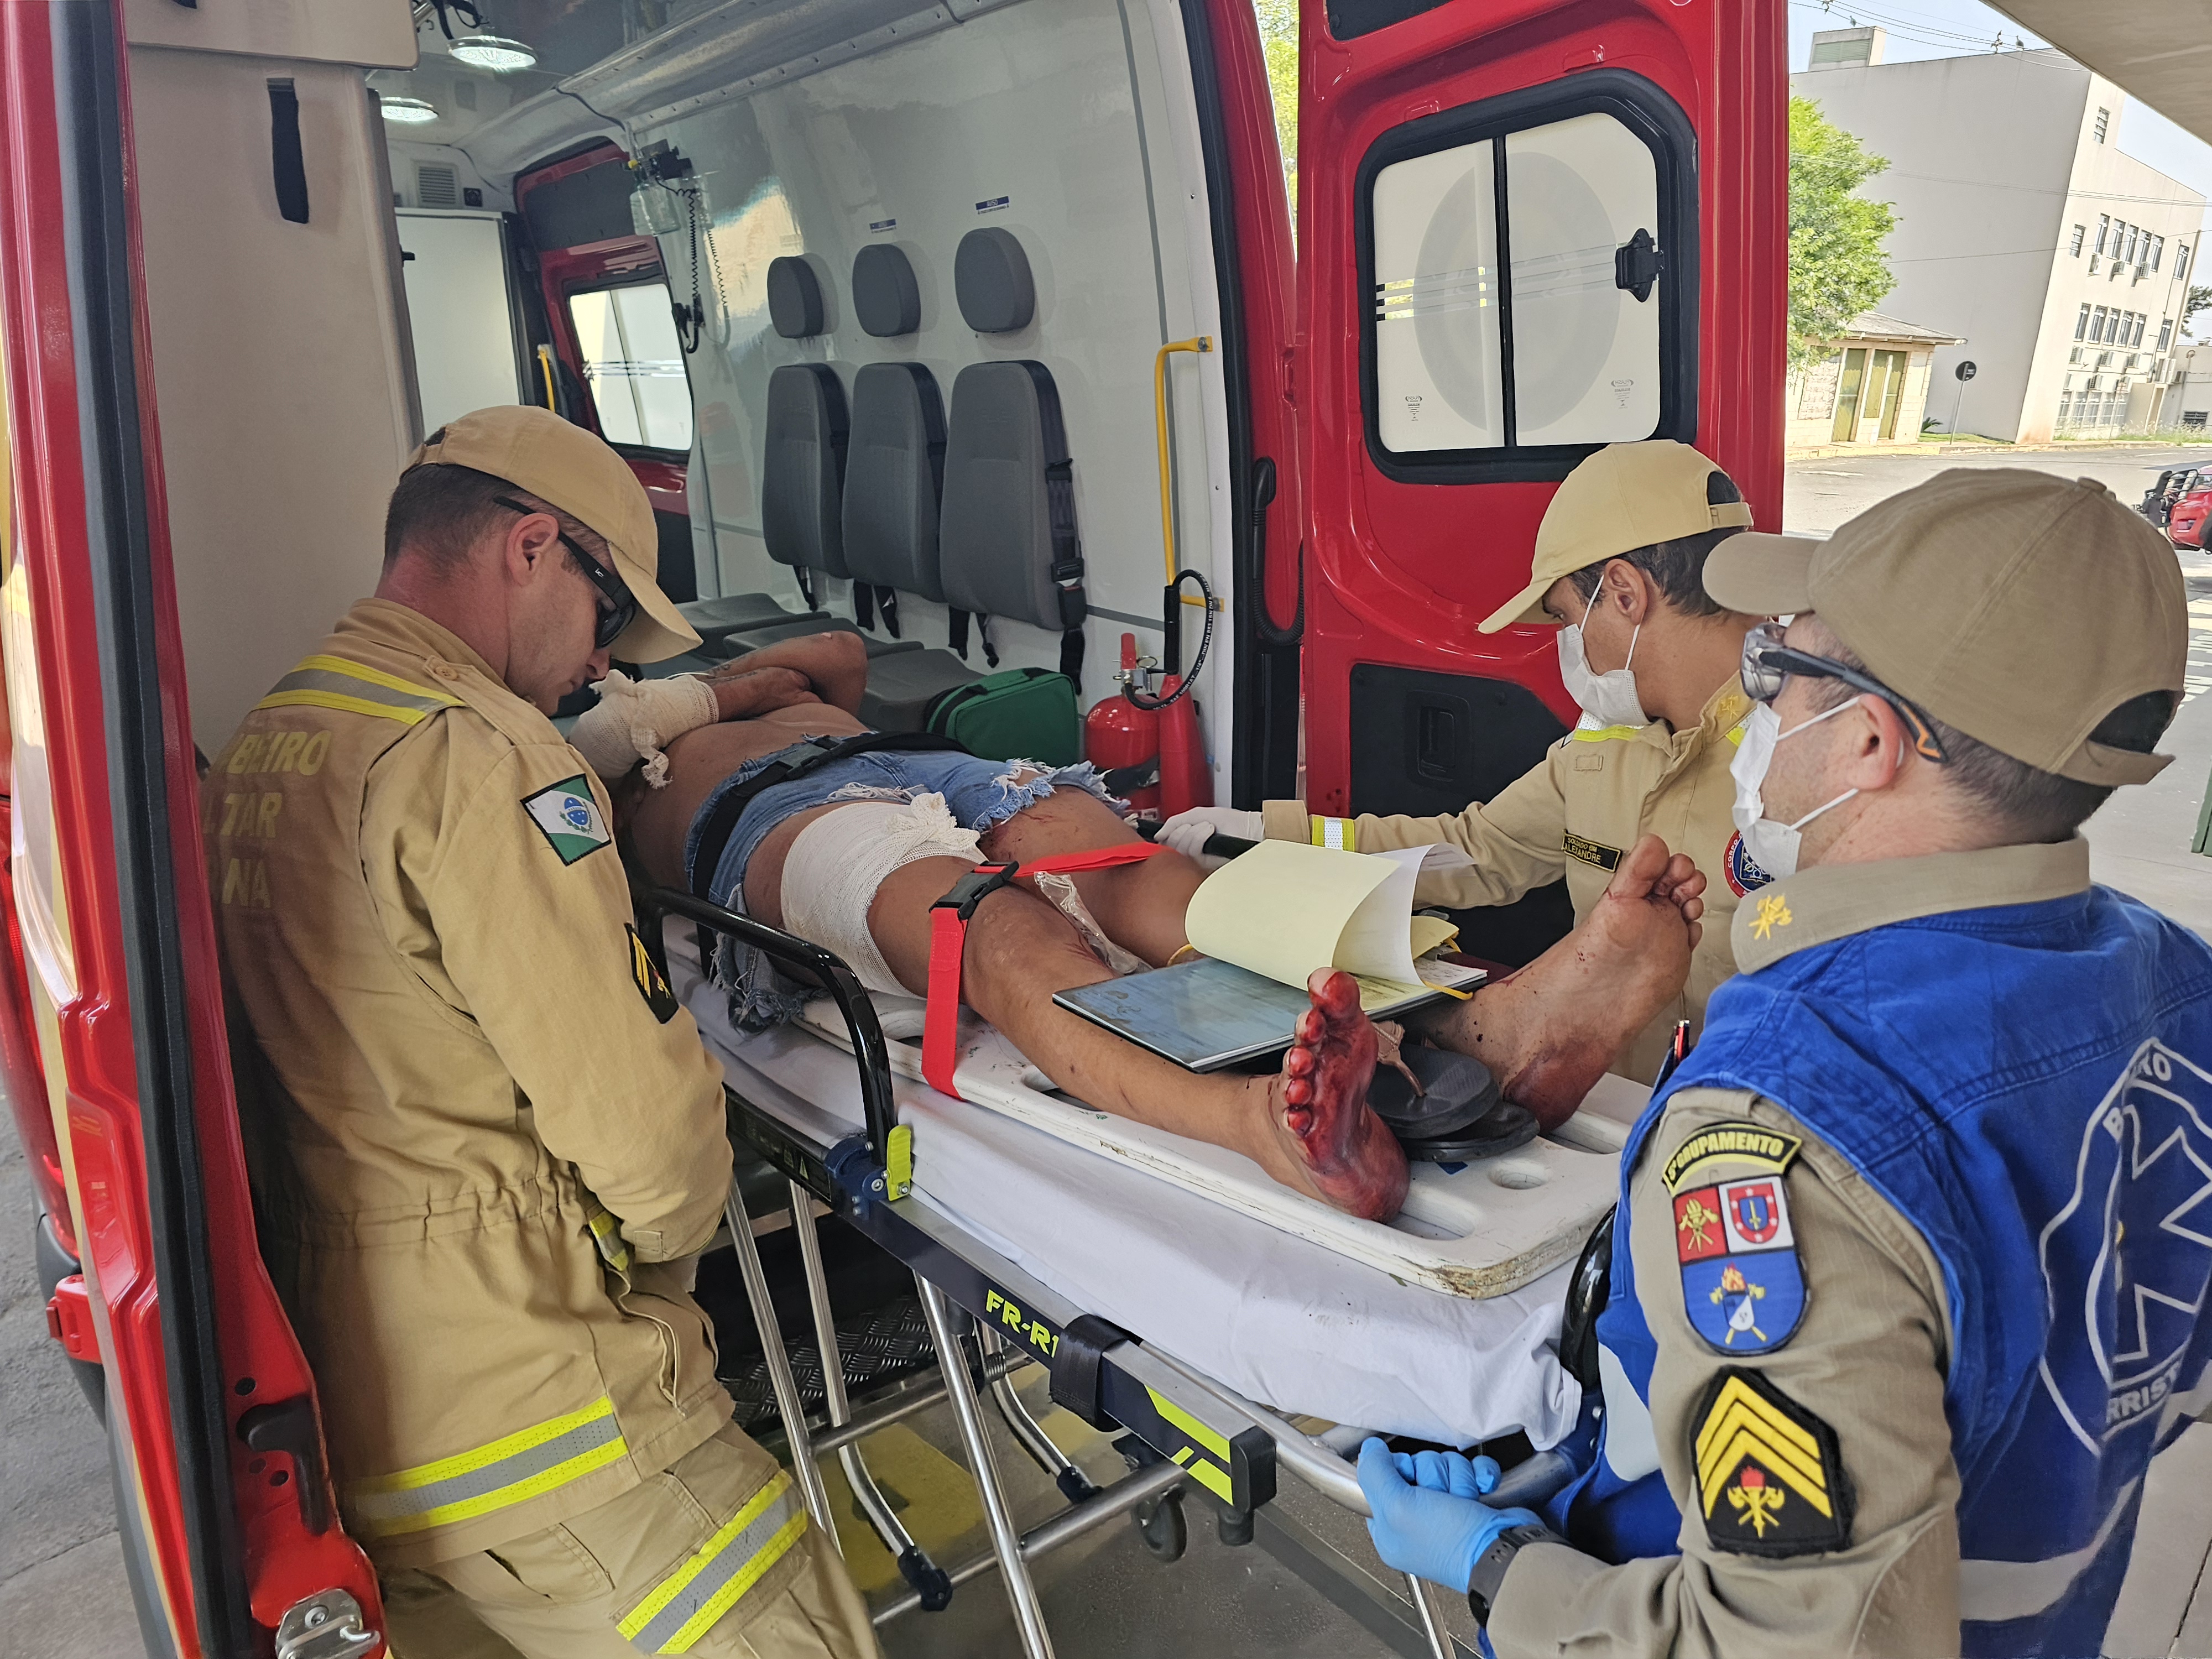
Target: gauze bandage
x: 635, y: 719
x: 834, y: 868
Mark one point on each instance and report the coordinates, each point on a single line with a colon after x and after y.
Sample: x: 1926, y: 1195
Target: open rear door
x: 1528, y: 228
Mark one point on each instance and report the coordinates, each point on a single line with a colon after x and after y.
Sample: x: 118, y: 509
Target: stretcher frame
x: 1185, y: 1429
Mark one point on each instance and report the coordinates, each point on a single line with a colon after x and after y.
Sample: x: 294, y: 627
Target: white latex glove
x: 1187, y: 832
x: 632, y: 720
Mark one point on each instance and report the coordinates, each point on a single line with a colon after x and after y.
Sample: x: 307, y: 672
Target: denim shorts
x: 980, y: 794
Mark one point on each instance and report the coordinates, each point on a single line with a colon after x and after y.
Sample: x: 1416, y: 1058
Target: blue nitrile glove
x: 1434, y: 1532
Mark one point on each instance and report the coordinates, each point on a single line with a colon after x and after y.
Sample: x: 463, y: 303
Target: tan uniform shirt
x: 1596, y: 792
x: 1869, y: 1358
x: 492, y: 1121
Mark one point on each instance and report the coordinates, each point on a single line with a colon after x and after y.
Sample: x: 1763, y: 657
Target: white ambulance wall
x: 281, y: 366
x: 459, y: 312
x: 1039, y: 103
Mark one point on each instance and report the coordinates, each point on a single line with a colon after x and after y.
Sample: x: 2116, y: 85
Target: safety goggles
x: 621, y: 608
x: 1767, y: 663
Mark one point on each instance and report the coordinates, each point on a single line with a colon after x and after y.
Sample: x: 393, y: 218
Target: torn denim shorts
x: 980, y: 794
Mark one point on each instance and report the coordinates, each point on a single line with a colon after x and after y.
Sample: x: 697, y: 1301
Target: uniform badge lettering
x: 568, y: 817
x: 1737, y: 866
x: 1769, y: 1474
x: 1591, y: 852
x: 1741, y: 1284
x: 1751, y: 1146
x: 650, y: 984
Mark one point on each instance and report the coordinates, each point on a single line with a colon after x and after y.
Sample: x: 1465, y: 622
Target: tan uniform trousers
x: 567, y: 1592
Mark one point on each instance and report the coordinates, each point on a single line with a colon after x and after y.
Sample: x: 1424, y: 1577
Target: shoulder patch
x: 1737, y: 866
x: 1742, y: 1286
x: 1769, y: 1474
x: 650, y: 984
x: 1591, y: 852
x: 568, y: 815
x: 1754, y: 1145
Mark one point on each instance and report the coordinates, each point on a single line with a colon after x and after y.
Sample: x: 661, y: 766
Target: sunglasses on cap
x: 621, y: 609
x: 1767, y: 663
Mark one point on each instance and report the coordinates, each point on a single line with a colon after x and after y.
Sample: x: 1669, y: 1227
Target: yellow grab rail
x: 545, y: 363
x: 1197, y: 343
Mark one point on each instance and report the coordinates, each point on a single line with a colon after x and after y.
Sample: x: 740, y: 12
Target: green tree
x: 2198, y: 299
x: 1837, y: 265
x: 1278, y: 39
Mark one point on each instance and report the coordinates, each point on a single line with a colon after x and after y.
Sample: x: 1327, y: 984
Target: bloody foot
x: 1551, y: 1030
x: 1338, y: 1150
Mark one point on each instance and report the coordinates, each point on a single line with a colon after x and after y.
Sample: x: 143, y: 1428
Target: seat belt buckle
x: 972, y: 888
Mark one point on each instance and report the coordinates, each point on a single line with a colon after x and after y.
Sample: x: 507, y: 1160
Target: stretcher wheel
x: 1161, y: 1524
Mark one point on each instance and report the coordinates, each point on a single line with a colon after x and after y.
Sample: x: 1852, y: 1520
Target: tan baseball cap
x: 2019, y: 607
x: 577, y: 471
x: 1624, y: 497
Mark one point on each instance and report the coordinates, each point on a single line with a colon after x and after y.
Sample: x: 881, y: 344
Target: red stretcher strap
x: 948, y: 940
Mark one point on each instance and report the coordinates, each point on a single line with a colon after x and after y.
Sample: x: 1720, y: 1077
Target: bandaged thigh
x: 834, y: 868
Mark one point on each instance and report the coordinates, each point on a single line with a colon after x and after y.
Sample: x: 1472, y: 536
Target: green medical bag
x: 1021, y: 714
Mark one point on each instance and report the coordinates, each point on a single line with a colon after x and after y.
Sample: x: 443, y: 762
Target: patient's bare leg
x: 1549, y: 1031
x: 1140, y: 906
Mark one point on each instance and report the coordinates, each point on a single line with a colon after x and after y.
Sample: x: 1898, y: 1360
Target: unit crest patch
x: 568, y: 818
x: 1737, y: 867
x: 1770, y: 1475
x: 650, y: 984
x: 1742, y: 1285
x: 1591, y: 852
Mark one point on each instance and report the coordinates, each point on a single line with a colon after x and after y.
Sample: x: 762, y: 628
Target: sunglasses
x: 621, y: 609
x: 1767, y: 663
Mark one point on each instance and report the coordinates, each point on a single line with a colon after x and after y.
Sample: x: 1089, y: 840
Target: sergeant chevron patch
x: 1770, y: 1478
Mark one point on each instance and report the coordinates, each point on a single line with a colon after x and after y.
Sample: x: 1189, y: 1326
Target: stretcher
x: 1169, y: 1286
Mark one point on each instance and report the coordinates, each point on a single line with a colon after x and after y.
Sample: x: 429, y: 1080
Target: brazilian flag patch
x: 650, y: 984
x: 1770, y: 1476
x: 568, y: 815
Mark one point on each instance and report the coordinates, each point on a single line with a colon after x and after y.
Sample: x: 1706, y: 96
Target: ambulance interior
x: 872, y: 298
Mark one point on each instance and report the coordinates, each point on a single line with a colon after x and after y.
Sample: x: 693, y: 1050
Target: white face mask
x: 1608, y: 699
x: 1772, y: 846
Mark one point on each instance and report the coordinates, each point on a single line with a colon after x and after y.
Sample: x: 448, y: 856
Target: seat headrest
x: 991, y: 279
x: 886, y: 298
x: 794, y: 298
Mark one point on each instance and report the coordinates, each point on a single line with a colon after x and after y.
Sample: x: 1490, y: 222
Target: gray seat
x: 803, y: 477
x: 715, y: 620
x: 1007, y: 529
x: 894, y: 468
x: 902, y: 688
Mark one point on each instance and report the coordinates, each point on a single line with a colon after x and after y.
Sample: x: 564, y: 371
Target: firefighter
x: 1651, y: 658
x: 1911, y: 1263
x: 500, y: 1142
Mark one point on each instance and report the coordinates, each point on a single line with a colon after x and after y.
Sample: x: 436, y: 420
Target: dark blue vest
x: 2031, y: 1086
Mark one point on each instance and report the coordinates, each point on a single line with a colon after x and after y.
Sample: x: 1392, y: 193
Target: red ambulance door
x: 1528, y: 228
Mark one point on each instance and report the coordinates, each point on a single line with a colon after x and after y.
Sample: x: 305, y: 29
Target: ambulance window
x: 635, y: 365
x: 1533, y: 264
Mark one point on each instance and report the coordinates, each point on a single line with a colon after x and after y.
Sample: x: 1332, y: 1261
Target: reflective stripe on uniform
x: 526, y: 1464
x: 606, y: 1233
x: 1336, y: 834
x: 1603, y: 733
x: 323, y: 682
x: 1997, y: 1592
x: 685, y: 1605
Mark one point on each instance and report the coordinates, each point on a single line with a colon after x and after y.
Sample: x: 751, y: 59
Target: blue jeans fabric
x: 978, y: 793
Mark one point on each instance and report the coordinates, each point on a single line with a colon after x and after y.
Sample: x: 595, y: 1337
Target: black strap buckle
x: 978, y: 884
x: 1075, y: 1361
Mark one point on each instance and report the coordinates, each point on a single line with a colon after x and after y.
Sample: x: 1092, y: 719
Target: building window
x: 2097, y: 324
x: 2157, y: 251
x: 2165, y: 333
x: 2081, y: 325
x: 2180, y: 260
x: 2104, y: 124
x: 2135, y: 335
x: 2065, y: 406
x: 2074, y: 248
x: 2104, y: 228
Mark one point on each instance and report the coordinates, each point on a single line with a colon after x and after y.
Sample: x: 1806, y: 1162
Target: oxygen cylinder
x: 1118, y: 735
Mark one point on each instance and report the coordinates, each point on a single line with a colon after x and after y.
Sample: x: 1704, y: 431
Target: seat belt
x: 948, y: 938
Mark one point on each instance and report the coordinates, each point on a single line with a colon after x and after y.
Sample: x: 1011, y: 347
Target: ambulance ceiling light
x: 408, y: 112
x: 493, y: 51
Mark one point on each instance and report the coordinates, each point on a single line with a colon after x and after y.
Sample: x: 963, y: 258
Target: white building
x: 2061, y: 263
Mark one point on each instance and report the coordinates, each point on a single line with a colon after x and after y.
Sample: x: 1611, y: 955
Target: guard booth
x: 761, y: 249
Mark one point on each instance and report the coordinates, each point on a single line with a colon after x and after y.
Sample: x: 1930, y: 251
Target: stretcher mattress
x: 1289, y: 1319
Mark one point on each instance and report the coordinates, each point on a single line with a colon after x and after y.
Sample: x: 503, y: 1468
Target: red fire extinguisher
x: 1148, y: 744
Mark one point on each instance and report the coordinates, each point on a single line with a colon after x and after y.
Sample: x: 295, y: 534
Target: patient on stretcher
x: 851, y: 854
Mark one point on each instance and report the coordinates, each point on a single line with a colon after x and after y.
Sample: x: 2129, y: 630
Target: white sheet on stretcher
x: 1276, y: 1317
